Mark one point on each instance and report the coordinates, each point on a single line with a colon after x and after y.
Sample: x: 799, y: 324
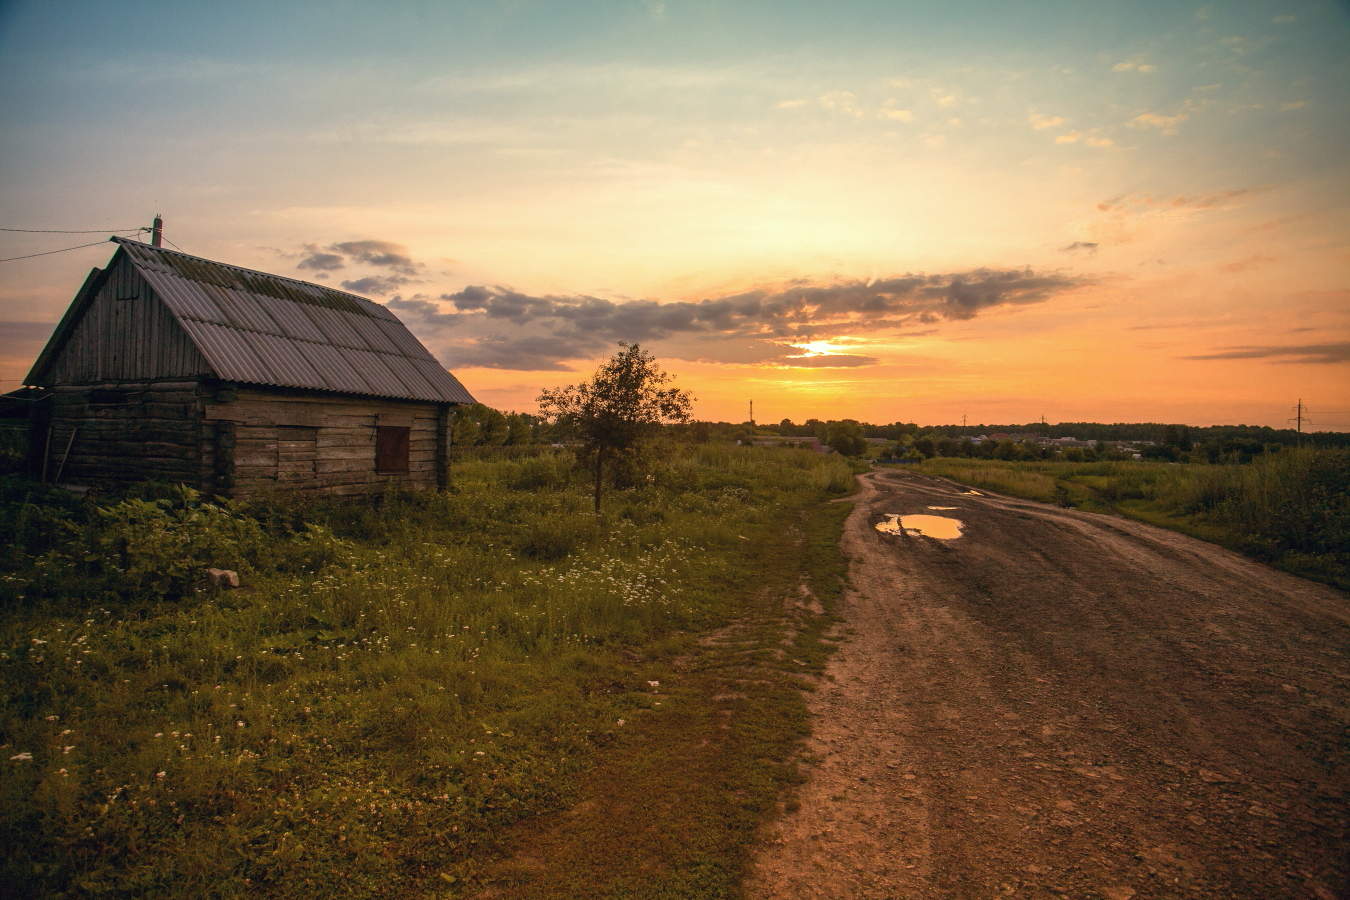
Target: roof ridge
x: 215, y: 262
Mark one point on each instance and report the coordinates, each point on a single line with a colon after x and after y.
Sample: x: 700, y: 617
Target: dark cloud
x: 378, y: 253
x: 789, y: 311
x: 376, y: 284
x: 1322, y: 354
x: 319, y: 261
x: 540, y: 353
x: 515, y: 330
x: 1090, y: 247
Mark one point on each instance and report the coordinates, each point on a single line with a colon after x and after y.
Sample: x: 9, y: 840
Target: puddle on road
x: 944, y: 507
x: 940, y: 527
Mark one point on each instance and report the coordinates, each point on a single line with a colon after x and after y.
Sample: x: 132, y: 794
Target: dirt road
x: 1063, y: 703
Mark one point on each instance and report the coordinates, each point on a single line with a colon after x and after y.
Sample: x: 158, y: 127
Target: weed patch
x: 397, y: 682
x: 1291, y: 509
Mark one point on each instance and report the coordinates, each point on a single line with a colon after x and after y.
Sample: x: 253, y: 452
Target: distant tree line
x: 479, y: 425
x: 1156, y: 432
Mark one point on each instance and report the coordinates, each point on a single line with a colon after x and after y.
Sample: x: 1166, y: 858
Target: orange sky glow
x: 916, y: 215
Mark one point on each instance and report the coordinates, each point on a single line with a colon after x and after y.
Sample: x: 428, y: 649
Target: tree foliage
x: 627, y: 400
x: 845, y: 438
x: 477, y: 425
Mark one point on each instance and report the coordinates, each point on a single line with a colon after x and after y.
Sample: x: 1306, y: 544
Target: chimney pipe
x: 157, y: 232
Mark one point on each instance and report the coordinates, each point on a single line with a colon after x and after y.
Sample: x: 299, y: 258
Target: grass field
x: 400, y: 689
x: 1291, y: 509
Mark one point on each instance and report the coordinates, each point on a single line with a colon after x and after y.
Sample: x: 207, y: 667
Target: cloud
x: 376, y: 284
x: 499, y: 327
x: 1285, y: 20
x: 18, y: 332
x: 1138, y: 203
x: 844, y: 102
x: 1041, y: 122
x: 1250, y: 262
x: 378, y: 253
x: 1319, y: 354
x: 539, y: 353
x: 1134, y: 65
x: 1088, y: 139
x: 320, y: 261
x: 827, y: 361
x: 1090, y: 247
x: 1165, y: 124
x: 791, y: 104
x: 898, y: 115
x: 1292, y: 105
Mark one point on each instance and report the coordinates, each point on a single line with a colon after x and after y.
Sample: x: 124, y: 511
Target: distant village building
x: 171, y: 367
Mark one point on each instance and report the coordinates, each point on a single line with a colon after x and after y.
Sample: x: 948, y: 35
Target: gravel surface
x: 1059, y: 703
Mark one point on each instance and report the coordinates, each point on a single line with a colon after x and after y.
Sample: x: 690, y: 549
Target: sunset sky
x: 890, y: 211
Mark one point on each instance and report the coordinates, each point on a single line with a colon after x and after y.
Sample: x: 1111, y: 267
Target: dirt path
x: 1064, y: 703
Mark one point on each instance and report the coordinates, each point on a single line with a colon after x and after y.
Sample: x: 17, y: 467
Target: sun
x: 819, y: 348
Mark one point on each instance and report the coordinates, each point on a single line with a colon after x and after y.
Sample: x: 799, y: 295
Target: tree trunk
x: 599, y: 461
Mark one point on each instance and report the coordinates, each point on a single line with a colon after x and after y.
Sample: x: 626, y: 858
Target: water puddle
x: 944, y: 507
x: 940, y: 527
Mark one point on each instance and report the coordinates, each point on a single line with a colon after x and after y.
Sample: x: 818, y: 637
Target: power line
x: 47, y: 252
x: 50, y: 252
x: 62, y: 231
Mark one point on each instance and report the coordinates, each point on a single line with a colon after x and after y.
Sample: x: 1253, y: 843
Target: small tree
x: 845, y: 438
x: 625, y: 402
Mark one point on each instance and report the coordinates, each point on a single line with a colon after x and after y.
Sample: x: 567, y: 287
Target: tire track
x: 1065, y: 703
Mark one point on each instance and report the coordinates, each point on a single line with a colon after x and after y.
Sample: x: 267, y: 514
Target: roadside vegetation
x: 400, y: 686
x: 1290, y: 508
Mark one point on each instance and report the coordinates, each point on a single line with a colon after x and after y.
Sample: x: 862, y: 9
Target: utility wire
x: 50, y: 252
x: 63, y: 249
x: 60, y: 231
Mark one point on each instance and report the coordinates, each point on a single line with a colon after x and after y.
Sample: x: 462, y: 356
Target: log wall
x: 296, y: 440
x: 233, y: 441
x: 120, y: 432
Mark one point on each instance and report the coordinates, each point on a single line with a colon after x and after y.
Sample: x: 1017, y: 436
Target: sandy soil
x: 1064, y: 703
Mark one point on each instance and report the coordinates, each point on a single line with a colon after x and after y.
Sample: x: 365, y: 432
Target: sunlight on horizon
x: 1107, y: 212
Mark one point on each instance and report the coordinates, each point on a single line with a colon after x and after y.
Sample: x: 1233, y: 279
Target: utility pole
x: 752, y: 414
x: 963, y: 420
x: 157, y: 232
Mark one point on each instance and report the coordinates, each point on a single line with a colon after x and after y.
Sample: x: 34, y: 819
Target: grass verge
x: 397, y: 684
x: 1290, y: 509
x: 674, y: 806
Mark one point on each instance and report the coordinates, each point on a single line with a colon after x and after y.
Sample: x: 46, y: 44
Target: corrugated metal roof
x: 256, y: 328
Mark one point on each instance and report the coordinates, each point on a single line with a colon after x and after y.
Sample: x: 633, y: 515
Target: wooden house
x: 176, y: 368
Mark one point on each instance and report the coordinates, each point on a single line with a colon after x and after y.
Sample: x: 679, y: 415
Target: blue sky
x: 1178, y: 167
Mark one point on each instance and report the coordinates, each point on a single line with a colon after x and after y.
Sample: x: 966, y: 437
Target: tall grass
x: 1290, y: 508
x: 394, y: 682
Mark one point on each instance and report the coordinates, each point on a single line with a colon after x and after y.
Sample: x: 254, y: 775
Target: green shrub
x: 397, y: 678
